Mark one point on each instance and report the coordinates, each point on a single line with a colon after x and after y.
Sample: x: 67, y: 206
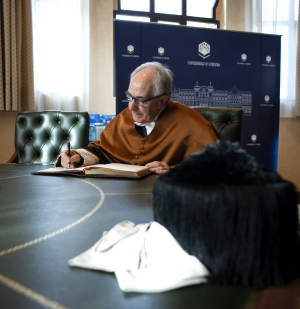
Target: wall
x: 289, y: 150
x: 7, y: 136
x: 101, y: 58
x: 221, y: 13
x: 231, y: 14
x: 235, y: 15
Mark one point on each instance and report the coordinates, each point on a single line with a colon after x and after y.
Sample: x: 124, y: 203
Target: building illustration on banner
x: 209, y: 97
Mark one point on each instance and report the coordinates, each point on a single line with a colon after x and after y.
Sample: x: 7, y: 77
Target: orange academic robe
x: 178, y: 132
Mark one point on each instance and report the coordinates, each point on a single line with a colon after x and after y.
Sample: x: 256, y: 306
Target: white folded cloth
x: 145, y: 258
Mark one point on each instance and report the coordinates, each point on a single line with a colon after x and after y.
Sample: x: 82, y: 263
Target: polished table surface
x: 47, y: 220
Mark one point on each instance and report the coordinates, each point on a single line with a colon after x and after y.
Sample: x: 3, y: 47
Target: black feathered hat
x: 238, y: 218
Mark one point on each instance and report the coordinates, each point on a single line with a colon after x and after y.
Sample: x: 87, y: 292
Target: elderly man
x: 153, y: 131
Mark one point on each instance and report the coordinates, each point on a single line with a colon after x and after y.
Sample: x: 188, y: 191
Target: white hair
x: 164, y: 77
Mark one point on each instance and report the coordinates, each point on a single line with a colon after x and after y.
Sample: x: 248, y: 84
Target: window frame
x: 181, y: 19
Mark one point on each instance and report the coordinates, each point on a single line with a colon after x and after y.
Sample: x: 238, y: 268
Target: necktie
x: 141, y: 130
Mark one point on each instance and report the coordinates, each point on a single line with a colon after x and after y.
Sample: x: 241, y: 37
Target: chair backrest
x: 41, y: 136
x: 228, y: 122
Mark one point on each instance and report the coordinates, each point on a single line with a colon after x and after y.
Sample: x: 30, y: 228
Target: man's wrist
x: 80, y: 162
x: 87, y: 158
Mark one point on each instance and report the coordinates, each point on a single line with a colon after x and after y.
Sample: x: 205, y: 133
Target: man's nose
x: 132, y: 106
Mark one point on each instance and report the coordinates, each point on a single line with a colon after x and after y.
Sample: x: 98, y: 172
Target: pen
x: 69, y: 154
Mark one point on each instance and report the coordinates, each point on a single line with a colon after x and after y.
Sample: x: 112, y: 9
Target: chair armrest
x: 14, y: 158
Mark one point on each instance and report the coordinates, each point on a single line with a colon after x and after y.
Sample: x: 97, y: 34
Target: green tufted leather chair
x: 41, y: 136
x: 228, y: 122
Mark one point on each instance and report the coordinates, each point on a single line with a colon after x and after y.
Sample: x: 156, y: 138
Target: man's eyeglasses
x: 139, y: 101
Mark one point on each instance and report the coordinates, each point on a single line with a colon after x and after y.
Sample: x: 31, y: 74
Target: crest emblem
x: 267, y: 99
x: 244, y: 57
x: 130, y: 49
x: 268, y: 59
x: 161, y: 51
x: 253, y: 138
x: 204, y: 50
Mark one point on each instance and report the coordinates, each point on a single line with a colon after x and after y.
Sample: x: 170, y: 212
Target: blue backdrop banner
x: 213, y: 68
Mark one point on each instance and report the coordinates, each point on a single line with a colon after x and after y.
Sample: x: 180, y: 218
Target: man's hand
x: 73, y: 159
x: 158, y: 167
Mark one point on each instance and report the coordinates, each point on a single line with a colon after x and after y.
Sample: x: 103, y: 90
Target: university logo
x: 268, y: 59
x: 244, y: 57
x: 267, y: 99
x: 130, y: 49
x: 204, y: 50
x: 253, y: 138
x: 161, y: 51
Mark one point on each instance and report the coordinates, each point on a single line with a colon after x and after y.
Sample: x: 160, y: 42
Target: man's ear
x: 163, y: 100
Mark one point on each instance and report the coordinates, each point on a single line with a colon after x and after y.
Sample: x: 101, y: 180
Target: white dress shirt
x: 150, y: 125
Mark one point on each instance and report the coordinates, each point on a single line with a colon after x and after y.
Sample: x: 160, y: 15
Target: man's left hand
x: 158, y: 167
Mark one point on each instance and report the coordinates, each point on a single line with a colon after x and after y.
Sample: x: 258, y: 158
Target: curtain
x: 61, y: 54
x: 16, y: 59
x: 278, y: 17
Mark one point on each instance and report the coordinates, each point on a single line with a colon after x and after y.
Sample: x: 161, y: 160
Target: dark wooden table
x: 47, y: 220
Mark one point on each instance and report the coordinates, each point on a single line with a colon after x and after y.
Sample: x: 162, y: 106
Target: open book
x: 99, y: 170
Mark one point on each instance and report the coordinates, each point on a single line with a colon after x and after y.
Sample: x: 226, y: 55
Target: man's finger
x: 154, y: 164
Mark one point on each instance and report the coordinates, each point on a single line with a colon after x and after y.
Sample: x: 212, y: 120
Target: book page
x: 117, y: 167
x: 61, y: 169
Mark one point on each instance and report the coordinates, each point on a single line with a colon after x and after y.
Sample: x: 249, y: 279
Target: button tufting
x: 136, y: 157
